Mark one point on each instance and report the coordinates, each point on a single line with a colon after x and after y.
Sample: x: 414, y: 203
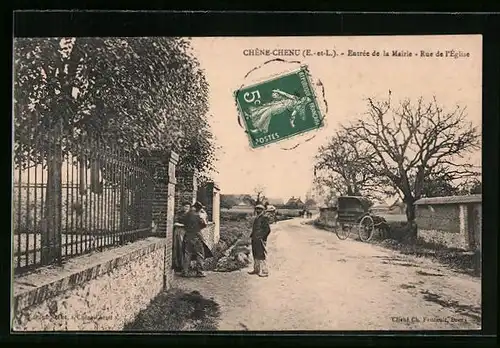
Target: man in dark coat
x: 260, y: 232
x: 193, y: 245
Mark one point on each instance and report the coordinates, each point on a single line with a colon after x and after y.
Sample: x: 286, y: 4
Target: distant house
x: 243, y: 205
x: 453, y: 221
x: 295, y: 203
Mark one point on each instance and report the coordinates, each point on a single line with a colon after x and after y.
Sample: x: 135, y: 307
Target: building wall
x: 442, y: 217
x: 450, y: 225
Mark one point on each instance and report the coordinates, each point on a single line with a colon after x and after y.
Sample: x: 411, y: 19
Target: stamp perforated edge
x: 305, y: 69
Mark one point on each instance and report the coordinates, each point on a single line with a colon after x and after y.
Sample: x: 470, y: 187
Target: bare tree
x: 415, y: 141
x: 259, y: 194
x: 344, y: 166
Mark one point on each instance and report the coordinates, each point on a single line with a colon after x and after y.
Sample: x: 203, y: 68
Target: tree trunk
x: 410, y: 209
x: 410, y: 216
x: 51, y: 231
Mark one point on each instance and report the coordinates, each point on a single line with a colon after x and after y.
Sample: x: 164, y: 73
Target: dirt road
x: 318, y: 282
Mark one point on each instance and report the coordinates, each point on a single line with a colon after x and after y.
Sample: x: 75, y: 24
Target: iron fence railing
x: 72, y: 204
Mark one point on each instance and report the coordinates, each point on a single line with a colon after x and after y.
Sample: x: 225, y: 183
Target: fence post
x: 163, y: 204
x: 51, y: 233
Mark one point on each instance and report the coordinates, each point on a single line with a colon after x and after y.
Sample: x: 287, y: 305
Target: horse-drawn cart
x: 354, y: 212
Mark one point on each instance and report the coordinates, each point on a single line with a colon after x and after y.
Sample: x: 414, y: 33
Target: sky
x: 347, y: 80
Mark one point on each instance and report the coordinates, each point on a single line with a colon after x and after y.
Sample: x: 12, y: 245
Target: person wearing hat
x: 200, y: 209
x: 260, y: 232
x: 193, y: 244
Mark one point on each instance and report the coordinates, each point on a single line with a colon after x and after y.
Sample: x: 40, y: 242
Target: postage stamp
x: 279, y: 108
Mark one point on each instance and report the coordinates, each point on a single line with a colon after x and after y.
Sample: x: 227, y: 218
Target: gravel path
x: 318, y: 282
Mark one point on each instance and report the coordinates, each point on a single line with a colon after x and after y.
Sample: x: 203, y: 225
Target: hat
x: 271, y: 208
x: 259, y: 206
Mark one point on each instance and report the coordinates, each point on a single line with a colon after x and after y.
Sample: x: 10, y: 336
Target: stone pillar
x: 163, y: 204
x: 464, y: 226
x: 216, y: 212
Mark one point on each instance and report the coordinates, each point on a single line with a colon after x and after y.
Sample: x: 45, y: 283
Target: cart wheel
x: 366, y: 228
x: 343, y: 232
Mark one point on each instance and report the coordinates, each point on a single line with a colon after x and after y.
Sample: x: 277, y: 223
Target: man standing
x: 193, y: 244
x: 260, y: 232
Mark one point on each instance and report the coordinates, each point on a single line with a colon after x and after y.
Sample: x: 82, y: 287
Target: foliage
x: 471, y: 187
x: 439, y: 186
x: 228, y: 201
x: 131, y: 92
x: 310, y: 202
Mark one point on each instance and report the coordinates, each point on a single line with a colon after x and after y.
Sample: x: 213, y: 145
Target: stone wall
x: 101, y: 291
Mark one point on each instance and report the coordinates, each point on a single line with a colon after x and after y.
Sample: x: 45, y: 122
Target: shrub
x: 400, y: 231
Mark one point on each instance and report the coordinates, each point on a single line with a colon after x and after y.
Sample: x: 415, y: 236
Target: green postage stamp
x: 279, y: 108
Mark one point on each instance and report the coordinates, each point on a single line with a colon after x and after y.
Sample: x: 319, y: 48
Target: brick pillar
x: 163, y: 204
x: 187, y: 186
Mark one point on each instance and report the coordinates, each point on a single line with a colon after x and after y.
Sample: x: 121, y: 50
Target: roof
x: 450, y: 200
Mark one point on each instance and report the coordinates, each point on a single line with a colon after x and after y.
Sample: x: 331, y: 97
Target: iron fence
x: 71, y: 204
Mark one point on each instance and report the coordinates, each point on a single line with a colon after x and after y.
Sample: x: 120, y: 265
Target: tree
x: 227, y: 201
x: 247, y: 199
x: 259, y: 195
x: 132, y: 92
x: 472, y: 186
x: 476, y: 188
x: 414, y: 142
x: 347, y: 160
x: 310, y: 202
x: 328, y: 187
x: 439, y: 186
